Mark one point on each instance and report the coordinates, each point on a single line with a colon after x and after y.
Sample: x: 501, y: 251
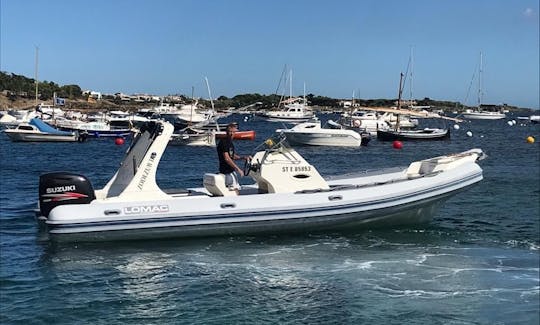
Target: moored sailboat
x: 480, y: 112
x: 396, y: 133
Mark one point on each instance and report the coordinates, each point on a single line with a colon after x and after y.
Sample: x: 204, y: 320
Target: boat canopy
x: 46, y: 128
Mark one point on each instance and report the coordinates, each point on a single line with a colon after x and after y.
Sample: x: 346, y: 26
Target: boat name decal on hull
x: 146, y: 209
x: 146, y: 171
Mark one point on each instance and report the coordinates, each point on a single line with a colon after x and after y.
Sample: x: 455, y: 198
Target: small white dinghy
x: 288, y: 194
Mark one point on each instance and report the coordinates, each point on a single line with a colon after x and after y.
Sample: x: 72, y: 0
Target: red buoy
x: 119, y: 141
x: 397, y: 144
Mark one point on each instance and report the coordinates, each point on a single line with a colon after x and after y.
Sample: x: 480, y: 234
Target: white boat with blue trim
x: 38, y: 131
x: 288, y: 195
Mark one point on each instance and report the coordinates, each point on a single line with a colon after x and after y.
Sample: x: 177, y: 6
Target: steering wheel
x: 247, y: 167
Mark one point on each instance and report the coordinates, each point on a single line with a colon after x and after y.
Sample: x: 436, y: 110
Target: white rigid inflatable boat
x: 288, y: 195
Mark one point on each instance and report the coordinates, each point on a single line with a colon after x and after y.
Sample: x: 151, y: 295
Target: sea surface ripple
x: 477, y: 262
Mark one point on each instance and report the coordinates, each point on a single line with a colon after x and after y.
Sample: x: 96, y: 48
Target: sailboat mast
x: 209, y: 94
x: 192, y: 101
x: 400, y: 90
x: 411, y: 81
x: 399, y: 99
x: 290, y: 84
x: 480, y: 70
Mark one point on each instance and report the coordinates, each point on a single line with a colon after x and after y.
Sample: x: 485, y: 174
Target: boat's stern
x: 60, y: 188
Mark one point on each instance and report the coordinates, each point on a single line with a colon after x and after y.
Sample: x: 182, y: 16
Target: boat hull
x: 39, y: 137
x: 293, y: 120
x: 484, y: 116
x: 122, y: 133
x: 206, y: 139
x: 360, y: 206
x: 390, y: 135
x: 323, y: 139
x: 418, y: 212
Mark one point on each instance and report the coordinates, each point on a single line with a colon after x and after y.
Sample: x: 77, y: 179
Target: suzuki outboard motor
x: 63, y: 188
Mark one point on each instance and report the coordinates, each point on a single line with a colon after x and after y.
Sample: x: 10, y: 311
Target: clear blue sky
x: 167, y: 46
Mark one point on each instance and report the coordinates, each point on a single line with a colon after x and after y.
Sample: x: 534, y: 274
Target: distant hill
x: 17, y: 91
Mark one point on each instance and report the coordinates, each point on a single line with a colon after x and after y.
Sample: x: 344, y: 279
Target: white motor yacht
x: 311, y: 133
x: 295, y: 110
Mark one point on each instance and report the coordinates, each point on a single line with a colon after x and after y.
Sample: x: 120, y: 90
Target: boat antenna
x: 305, y: 101
x: 290, y: 84
x: 36, y: 73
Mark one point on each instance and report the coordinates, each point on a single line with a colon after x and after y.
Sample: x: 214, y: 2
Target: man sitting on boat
x: 227, y: 156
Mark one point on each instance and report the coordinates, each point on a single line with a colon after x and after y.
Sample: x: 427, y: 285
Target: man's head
x: 232, y: 127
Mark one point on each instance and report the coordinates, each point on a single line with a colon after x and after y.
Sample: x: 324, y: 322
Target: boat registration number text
x: 294, y: 169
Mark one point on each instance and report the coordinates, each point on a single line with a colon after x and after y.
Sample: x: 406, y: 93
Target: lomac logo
x: 146, y: 209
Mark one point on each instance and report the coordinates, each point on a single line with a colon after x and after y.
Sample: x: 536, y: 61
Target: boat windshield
x: 276, y: 141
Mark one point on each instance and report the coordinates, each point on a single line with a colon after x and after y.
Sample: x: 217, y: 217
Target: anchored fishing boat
x: 288, y: 194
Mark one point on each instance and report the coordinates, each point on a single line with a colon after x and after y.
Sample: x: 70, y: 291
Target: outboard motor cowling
x: 61, y: 188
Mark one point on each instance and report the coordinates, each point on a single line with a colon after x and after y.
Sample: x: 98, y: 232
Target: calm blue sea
x: 477, y: 262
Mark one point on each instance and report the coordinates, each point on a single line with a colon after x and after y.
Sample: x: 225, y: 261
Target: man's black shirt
x: 225, y: 145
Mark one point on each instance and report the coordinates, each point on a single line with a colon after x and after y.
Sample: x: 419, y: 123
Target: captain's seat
x: 215, y: 184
